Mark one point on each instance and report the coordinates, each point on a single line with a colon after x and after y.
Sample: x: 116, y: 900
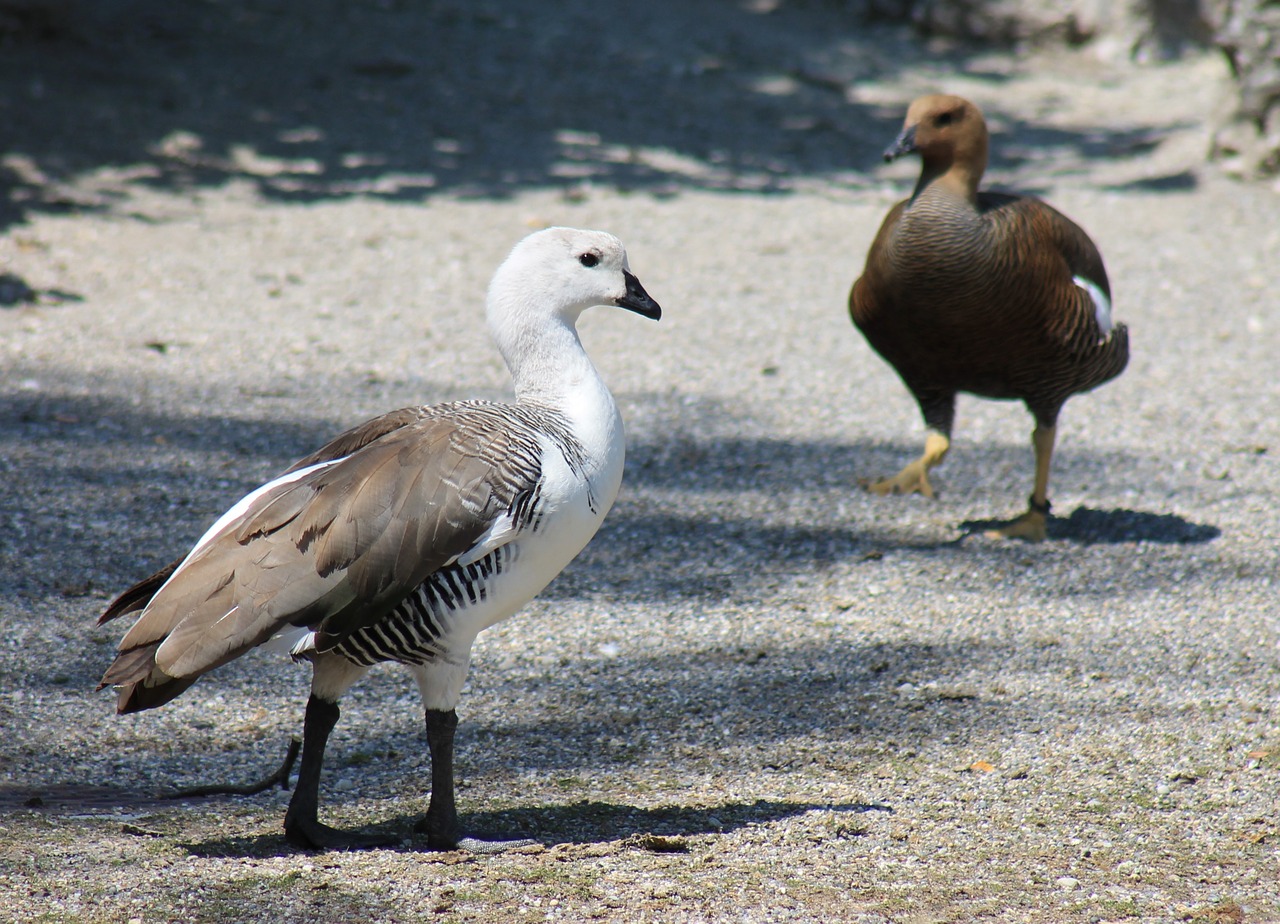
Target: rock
x: 1247, y: 141
x: 1143, y: 29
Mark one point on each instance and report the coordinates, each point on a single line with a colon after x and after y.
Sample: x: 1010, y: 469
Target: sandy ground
x: 761, y: 694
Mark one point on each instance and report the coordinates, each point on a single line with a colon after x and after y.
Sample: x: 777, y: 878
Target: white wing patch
x: 238, y: 511
x: 1101, y: 304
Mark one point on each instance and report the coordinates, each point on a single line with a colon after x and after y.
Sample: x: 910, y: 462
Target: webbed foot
x: 1032, y: 526
x: 310, y: 834
x: 913, y: 479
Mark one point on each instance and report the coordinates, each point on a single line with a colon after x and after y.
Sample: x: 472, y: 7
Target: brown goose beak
x: 638, y: 300
x: 905, y: 143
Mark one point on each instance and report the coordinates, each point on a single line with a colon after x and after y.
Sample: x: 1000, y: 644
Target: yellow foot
x: 914, y: 479
x: 1030, y: 526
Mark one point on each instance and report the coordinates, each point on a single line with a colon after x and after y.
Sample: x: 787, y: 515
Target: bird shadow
x: 1087, y: 526
x: 660, y: 829
x: 15, y: 291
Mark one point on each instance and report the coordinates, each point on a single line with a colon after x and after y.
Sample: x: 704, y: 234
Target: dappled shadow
x: 79, y: 510
x: 652, y: 707
x: 312, y: 100
x: 1087, y: 526
x: 86, y: 421
x: 319, y: 99
x: 717, y: 558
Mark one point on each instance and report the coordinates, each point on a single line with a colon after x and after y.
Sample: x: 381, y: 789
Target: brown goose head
x: 950, y: 135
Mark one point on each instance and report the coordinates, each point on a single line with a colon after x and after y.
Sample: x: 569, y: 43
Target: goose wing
x: 1059, y: 255
x: 136, y: 597
x: 332, y: 544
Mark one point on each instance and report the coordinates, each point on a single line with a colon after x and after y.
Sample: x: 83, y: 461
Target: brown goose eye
x: 588, y: 260
x: 946, y: 118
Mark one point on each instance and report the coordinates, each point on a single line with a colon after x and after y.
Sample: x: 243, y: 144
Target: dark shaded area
x: 1092, y: 527
x: 585, y: 822
x: 313, y: 100
x: 319, y: 99
x: 833, y: 702
x: 86, y: 422
x: 588, y: 822
x: 1088, y: 526
x: 184, y: 472
x: 575, y: 823
x: 792, y: 704
x: 15, y: 291
x: 1183, y: 181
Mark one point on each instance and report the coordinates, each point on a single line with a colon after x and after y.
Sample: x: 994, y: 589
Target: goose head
x: 560, y: 273
x: 538, y: 293
x: 950, y: 135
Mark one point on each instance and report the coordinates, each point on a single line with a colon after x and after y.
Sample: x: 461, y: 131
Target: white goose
x: 403, y: 538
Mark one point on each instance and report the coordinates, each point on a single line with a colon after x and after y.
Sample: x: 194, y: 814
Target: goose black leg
x: 302, y: 826
x: 441, y: 822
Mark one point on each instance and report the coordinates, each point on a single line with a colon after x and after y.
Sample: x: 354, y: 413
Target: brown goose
x: 992, y: 294
x: 406, y: 536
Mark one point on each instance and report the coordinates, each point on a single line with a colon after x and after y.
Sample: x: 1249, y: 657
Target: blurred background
x: 315, y: 99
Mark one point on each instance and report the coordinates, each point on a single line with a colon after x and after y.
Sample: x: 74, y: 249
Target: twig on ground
x: 281, y: 776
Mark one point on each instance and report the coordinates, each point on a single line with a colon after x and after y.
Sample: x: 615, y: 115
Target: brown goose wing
x: 866, y: 301
x: 1056, y: 252
x: 139, y: 595
x: 344, y: 444
x: 332, y: 547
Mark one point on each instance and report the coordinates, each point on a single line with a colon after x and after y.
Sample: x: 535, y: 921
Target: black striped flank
x: 410, y: 633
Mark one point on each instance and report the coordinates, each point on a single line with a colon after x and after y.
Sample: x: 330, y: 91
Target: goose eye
x: 945, y: 118
x: 588, y: 260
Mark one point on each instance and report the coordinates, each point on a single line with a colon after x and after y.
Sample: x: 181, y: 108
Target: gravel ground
x: 760, y: 694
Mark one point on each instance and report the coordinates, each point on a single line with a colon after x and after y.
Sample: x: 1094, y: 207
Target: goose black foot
x: 312, y: 835
x: 442, y: 834
x: 302, y: 827
x: 440, y: 824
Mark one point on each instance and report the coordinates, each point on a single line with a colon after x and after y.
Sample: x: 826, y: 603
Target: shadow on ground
x: 659, y: 830
x: 96, y: 489
x: 1087, y: 526
x: 322, y: 99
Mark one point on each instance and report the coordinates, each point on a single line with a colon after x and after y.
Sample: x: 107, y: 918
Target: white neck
x: 552, y: 370
x: 547, y: 361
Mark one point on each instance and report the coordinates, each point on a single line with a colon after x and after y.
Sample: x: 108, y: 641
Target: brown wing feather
x: 1055, y: 249
x: 334, y: 549
x: 139, y: 595
x: 982, y: 299
x: 361, y: 435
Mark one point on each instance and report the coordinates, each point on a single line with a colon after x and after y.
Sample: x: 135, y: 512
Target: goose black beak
x: 905, y: 143
x: 638, y: 300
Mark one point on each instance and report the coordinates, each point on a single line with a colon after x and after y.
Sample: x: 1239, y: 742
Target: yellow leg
x: 914, y: 478
x: 1032, y: 524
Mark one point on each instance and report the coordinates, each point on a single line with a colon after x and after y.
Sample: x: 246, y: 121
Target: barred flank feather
x: 409, y: 633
